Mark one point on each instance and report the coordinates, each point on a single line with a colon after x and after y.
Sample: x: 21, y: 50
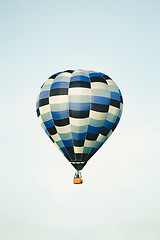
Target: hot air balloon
x: 79, y: 110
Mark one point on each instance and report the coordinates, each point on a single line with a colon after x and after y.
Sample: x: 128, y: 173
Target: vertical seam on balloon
x: 69, y: 116
x: 88, y: 119
x: 106, y: 137
x: 56, y: 126
x: 99, y: 132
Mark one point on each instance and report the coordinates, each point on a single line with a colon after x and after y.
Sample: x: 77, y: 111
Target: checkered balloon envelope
x: 79, y: 110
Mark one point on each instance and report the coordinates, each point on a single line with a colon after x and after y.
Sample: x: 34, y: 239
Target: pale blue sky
x: 120, y: 197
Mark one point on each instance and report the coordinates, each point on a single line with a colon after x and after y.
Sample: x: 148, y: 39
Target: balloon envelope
x: 79, y: 110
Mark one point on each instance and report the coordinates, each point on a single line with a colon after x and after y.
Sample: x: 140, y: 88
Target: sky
x: 120, y: 197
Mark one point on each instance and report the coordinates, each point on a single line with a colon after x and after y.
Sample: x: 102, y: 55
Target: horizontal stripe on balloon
x: 61, y: 122
x: 79, y: 106
x: 100, y: 92
x: 96, y: 123
x: 91, y: 136
x: 89, y: 143
x: 38, y: 112
x: 70, y: 151
x: 99, y: 107
x: 79, y: 129
x: 80, y: 84
x: 78, y: 114
x: 59, y: 99
x: 105, y: 131
x: 46, y: 116
x: 108, y: 124
x: 64, y: 77
x: 68, y: 143
x: 86, y: 149
x: 93, y: 130
x: 59, y: 91
x: 106, y: 76
x: 115, y: 95
x: 98, y: 79
x: 117, y: 121
x: 77, y: 150
x: 78, y: 143
x: 49, y: 124
x: 60, y: 144
x: 52, y: 130
x: 93, y: 151
x: 59, y: 107
x: 79, y: 98
x: 78, y: 136
x: 37, y: 105
x: 100, y: 100
x: 44, y: 94
x: 60, y: 85
x: 46, y: 131
x: 43, y: 102
x: 80, y: 78
x: 65, y: 136
x: 60, y: 114
x: 97, y: 144
x: 96, y: 74
x: 78, y: 121
x: 115, y: 103
x: 64, y: 150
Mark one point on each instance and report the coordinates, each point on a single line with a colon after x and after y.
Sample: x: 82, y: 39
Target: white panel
x: 44, y: 109
x: 100, y: 138
x: 79, y: 91
x: 99, y: 85
x: 88, y: 143
x: 49, y: 81
x: 58, y: 99
x: 113, y: 110
x: 56, y: 137
x: 79, y: 121
x: 78, y: 149
x: 97, y: 115
x: 64, y: 129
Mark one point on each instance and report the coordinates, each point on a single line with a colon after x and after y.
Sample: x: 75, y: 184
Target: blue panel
x: 108, y: 124
x: 46, y: 131
x: 80, y: 78
x: 60, y: 114
x: 78, y: 136
x: 117, y: 121
x: 100, y: 100
x: 64, y: 150
x: 115, y: 95
x: 58, y: 73
x: 79, y: 106
x: 93, y: 130
x: 49, y: 124
x: 93, y: 151
x: 68, y: 143
x: 101, y: 74
x: 60, y: 85
x: 44, y: 94
x: 37, y: 105
x: 96, y: 74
